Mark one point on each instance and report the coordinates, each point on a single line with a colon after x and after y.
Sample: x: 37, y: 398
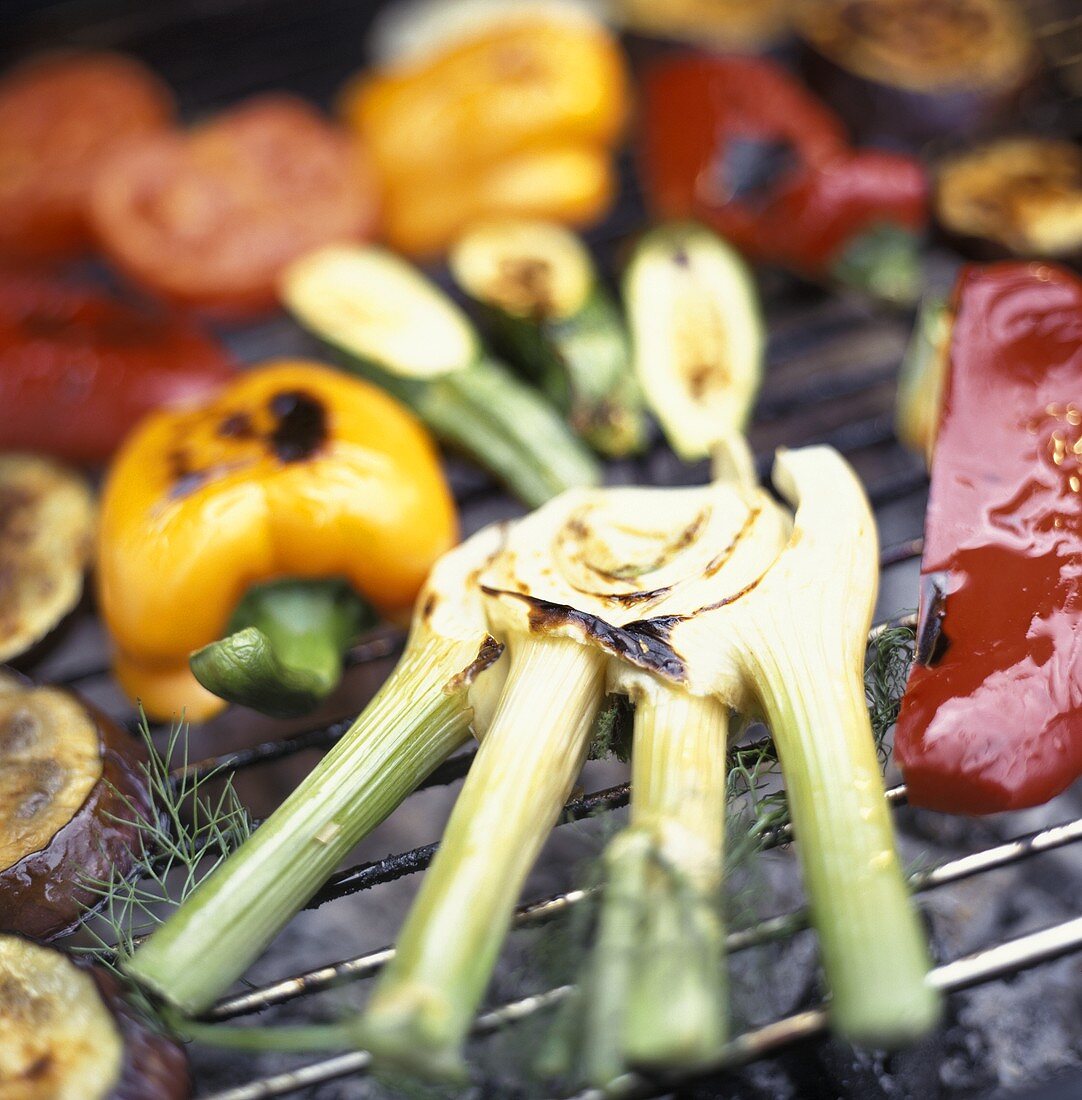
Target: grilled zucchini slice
x: 923, y: 376
x: 385, y: 321
x: 541, y: 292
x: 697, y: 334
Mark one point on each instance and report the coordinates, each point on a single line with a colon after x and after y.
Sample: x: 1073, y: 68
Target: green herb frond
x: 189, y: 830
x: 613, y: 730
x: 890, y: 657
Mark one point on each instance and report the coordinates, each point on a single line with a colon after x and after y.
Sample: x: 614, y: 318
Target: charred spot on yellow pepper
x: 293, y: 471
x: 296, y: 431
x: 301, y: 427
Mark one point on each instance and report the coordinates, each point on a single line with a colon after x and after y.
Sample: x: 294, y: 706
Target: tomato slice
x: 78, y: 369
x: 209, y: 219
x: 61, y: 117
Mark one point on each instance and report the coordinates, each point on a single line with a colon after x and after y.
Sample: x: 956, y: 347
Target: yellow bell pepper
x: 293, y: 471
x: 570, y: 184
x: 517, y: 119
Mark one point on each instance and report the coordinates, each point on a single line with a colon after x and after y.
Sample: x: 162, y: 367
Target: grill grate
x: 831, y: 367
x: 999, y: 961
x: 792, y: 405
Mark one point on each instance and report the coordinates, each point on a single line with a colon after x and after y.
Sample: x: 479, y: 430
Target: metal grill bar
x: 544, y: 909
x: 366, y: 875
x: 998, y: 961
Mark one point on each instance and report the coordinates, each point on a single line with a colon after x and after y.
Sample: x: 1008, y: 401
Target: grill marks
x: 643, y: 643
x: 489, y: 653
x: 292, y: 427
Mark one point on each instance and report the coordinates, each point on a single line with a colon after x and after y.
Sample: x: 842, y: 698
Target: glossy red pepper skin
x: 698, y: 111
x: 78, y: 369
x: 994, y: 720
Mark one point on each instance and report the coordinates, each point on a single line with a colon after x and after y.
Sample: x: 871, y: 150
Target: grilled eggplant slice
x: 46, y: 535
x: 66, y: 1033
x: 1017, y: 196
x: 907, y: 71
x: 734, y: 26
x: 71, y: 796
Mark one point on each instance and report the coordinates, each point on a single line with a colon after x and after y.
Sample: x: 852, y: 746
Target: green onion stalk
x: 442, y: 686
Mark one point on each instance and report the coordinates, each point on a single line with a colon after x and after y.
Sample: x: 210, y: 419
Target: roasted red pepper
x: 740, y: 144
x: 78, y: 368
x: 992, y: 716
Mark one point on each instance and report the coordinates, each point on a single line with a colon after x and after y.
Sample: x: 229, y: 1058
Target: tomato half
x: 209, y: 218
x: 61, y: 117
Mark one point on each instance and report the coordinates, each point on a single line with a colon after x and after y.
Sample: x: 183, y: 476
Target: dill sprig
x: 753, y: 772
x: 890, y: 657
x: 188, y: 832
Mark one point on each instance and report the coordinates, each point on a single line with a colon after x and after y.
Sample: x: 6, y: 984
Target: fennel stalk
x: 521, y: 777
x: 658, y: 989
x: 421, y: 714
x: 528, y: 759
x: 792, y: 648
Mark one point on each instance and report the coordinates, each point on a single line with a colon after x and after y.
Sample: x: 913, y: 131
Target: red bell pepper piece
x: 992, y: 716
x: 78, y: 369
x: 738, y: 143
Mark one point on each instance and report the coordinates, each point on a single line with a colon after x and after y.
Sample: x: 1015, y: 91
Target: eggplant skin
x: 154, y: 1066
x: 41, y: 895
x: 730, y: 26
x: 909, y: 108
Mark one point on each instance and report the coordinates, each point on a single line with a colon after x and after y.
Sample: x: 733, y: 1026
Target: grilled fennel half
x: 779, y: 633
x: 386, y: 321
x: 564, y: 597
x: 697, y: 602
x: 540, y: 290
x: 569, y: 574
x: 446, y: 681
